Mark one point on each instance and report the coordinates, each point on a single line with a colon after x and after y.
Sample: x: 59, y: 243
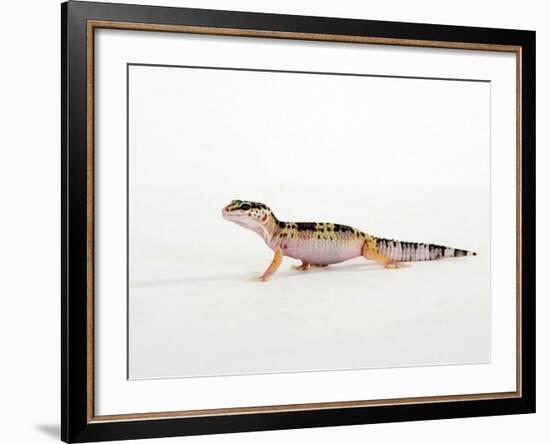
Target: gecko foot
x: 305, y: 266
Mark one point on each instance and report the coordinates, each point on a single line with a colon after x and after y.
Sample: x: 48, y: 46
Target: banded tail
x: 400, y: 251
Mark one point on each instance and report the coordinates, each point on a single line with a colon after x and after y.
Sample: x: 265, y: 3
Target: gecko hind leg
x: 368, y: 251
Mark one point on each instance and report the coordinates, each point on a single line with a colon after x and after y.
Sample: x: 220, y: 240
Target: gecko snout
x: 230, y: 210
x: 226, y: 212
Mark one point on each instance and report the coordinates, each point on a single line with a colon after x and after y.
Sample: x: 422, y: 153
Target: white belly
x: 322, y: 252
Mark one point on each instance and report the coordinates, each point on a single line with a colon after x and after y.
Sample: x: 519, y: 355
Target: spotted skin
x: 321, y: 244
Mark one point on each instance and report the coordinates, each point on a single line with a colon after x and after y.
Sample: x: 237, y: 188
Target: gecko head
x: 252, y: 215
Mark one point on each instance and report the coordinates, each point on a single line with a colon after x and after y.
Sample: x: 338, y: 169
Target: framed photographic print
x: 275, y: 221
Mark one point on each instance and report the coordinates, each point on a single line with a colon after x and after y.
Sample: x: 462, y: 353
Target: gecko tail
x: 401, y: 251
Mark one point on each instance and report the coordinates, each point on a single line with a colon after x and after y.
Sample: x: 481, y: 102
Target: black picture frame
x: 76, y: 423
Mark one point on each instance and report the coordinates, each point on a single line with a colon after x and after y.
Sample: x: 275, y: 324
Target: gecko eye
x: 244, y: 207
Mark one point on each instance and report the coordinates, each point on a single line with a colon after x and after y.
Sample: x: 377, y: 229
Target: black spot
x: 282, y: 224
x: 304, y: 226
x: 342, y: 228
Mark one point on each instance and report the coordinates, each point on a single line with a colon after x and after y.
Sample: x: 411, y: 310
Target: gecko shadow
x: 339, y: 268
x: 192, y: 280
x: 282, y: 274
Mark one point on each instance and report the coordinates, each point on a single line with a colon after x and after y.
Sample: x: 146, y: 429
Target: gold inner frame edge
x: 105, y: 24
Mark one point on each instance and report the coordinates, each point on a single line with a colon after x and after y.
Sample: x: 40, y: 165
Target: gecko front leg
x: 277, y: 259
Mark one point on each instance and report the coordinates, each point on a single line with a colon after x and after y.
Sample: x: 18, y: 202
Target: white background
x: 403, y: 158
x: 30, y: 235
